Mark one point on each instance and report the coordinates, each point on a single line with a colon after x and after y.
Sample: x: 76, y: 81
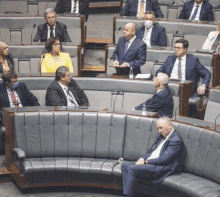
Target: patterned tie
x: 179, y: 70
x: 195, y: 13
x: 51, y: 31
x: 126, y: 46
x: 215, y: 43
x: 70, y: 97
x: 74, y: 6
x: 14, y: 100
x: 141, y: 11
x: 145, y: 35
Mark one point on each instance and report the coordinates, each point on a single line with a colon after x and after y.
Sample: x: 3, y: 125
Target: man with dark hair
x: 151, y: 34
x: 164, y: 158
x: 197, y: 10
x: 183, y: 66
x: 73, y: 6
x: 130, y: 52
x: 14, y: 93
x: 139, y: 7
x: 51, y: 28
x: 64, y: 91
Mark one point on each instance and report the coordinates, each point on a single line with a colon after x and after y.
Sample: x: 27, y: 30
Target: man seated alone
x: 198, y: 10
x: 182, y: 66
x: 51, y: 28
x: 151, y: 34
x: 130, y: 52
x: 139, y: 7
x: 162, y: 101
x: 64, y: 91
x: 14, y: 93
x: 163, y: 159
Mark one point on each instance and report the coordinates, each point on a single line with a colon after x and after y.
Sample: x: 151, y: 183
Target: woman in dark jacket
x: 6, y: 58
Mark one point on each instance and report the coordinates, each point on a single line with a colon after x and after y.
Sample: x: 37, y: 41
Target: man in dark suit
x: 130, y: 52
x: 183, y: 66
x: 197, y: 10
x: 163, y: 159
x: 162, y: 101
x: 51, y: 28
x: 134, y: 8
x: 150, y: 33
x: 73, y: 6
x: 14, y: 93
x: 64, y: 91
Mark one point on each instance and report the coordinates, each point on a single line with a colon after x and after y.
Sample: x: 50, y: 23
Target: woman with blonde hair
x: 6, y: 58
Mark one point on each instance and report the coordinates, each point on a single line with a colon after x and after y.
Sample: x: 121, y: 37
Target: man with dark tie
x: 213, y: 40
x: 130, y: 52
x: 164, y: 158
x: 184, y: 66
x: 162, y: 101
x: 139, y: 7
x: 64, y: 91
x: 150, y: 33
x: 73, y: 6
x: 51, y: 28
x: 197, y: 10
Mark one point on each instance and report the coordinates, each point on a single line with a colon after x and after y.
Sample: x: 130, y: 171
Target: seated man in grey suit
x: 151, y: 34
x: 51, y: 28
x: 164, y: 158
x: 64, y: 91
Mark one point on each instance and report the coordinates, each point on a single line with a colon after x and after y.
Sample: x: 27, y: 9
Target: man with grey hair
x: 130, y: 52
x: 162, y: 101
x: 163, y: 159
x: 64, y: 91
x: 51, y: 28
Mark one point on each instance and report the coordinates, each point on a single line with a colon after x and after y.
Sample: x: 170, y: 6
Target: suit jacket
x: 206, y: 13
x: 65, y: 6
x: 56, y: 97
x: 171, y: 156
x: 60, y: 31
x: 10, y: 61
x: 161, y: 102
x: 158, y: 35
x: 194, y: 70
x: 210, y: 40
x: 131, y: 8
x: 26, y: 97
x: 135, y: 55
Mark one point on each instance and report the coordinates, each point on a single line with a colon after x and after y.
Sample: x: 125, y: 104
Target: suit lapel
x: 142, y: 33
x: 45, y: 32
x: 153, y: 32
x: 172, y: 65
x: 4, y: 96
x: 165, y: 145
x: 191, y: 8
x: 131, y: 47
x: 187, y: 65
x: 203, y: 11
x: 57, y: 30
x: 122, y: 47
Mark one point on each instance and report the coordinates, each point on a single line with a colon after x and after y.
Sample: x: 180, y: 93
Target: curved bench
x: 82, y: 148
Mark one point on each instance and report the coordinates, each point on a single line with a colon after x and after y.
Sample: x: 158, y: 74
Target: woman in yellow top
x: 54, y: 58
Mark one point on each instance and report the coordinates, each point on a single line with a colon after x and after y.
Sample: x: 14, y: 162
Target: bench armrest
x: 18, y: 154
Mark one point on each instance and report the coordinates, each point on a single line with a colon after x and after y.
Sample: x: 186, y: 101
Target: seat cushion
x: 60, y: 169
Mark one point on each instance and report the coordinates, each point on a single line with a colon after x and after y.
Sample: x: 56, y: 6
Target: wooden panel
x: 216, y: 70
x: 99, y: 40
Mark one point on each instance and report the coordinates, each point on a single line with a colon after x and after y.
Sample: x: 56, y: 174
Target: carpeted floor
x: 94, y: 57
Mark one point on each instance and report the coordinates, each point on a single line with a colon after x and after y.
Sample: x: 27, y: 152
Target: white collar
x: 132, y: 39
x: 200, y: 5
x: 53, y: 26
x: 62, y: 86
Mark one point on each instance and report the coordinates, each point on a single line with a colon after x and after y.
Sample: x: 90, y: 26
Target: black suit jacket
x: 10, y: 61
x: 26, y: 97
x: 158, y: 35
x: 60, y: 31
x: 65, y: 6
x: 56, y: 97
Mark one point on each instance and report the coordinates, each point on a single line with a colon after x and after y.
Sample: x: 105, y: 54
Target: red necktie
x: 14, y: 99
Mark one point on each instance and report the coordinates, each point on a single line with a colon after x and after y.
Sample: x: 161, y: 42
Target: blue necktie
x: 195, y: 12
x: 126, y: 46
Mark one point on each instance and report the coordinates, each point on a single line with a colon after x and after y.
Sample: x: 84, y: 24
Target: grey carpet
x: 94, y: 57
x: 100, y: 25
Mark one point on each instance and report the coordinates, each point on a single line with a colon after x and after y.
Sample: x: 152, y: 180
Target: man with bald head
x: 130, y: 52
x: 163, y: 159
x: 162, y: 101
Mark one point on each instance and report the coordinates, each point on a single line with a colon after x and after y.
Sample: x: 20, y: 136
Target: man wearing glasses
x: 51, y: 28
x: 64, y: 91
x: 184, y: 66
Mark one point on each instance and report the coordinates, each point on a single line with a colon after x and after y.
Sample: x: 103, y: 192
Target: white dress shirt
x: 48, y: 31
x: 210, y: 40
x: 65, y: 88
x: 198, y: 13
x: 77, y: 6
x: 16, y: 96
x: 139, y: 1
x: 156, y: 153
x: 174, y: 73
x: 131, y: 41
x: 147, y: 39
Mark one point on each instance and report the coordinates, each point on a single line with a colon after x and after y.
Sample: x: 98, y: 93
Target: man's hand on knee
x: 140, y: 161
